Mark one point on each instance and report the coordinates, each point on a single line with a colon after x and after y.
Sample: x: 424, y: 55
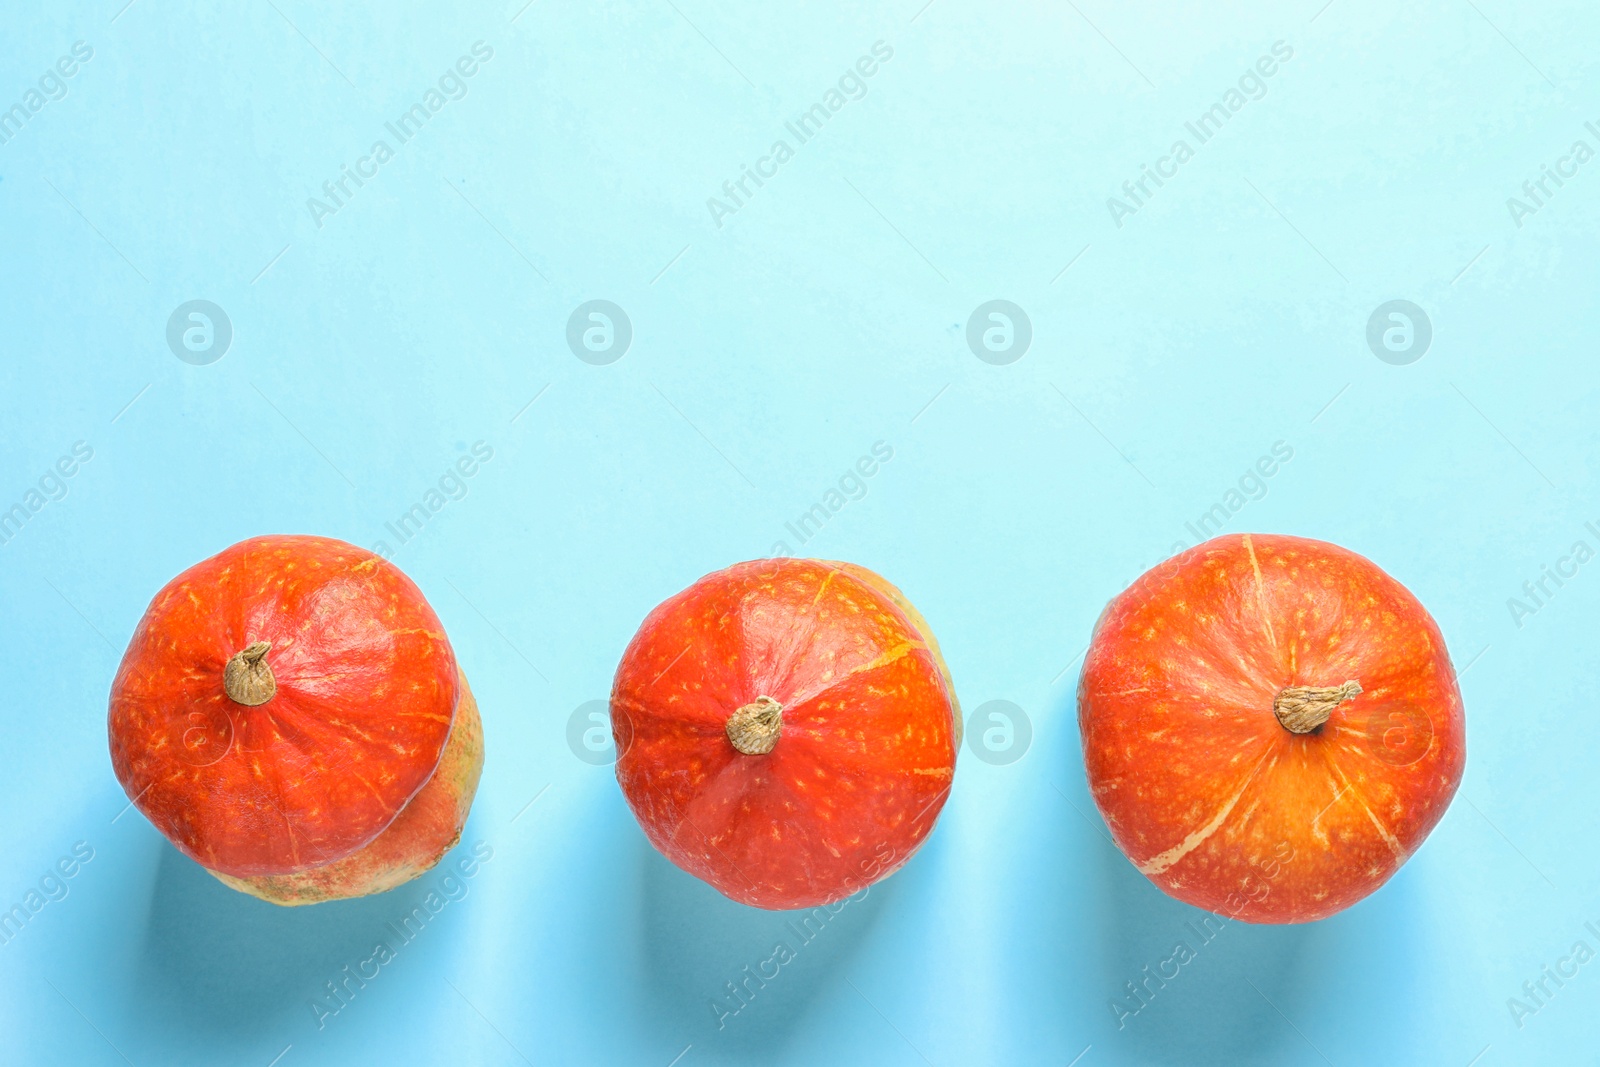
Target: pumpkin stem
x: 1303, y: 708
x: 754, y: 728
x: 247, y: 679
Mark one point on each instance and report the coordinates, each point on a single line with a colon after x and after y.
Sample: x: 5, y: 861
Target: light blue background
x: 827, y: 314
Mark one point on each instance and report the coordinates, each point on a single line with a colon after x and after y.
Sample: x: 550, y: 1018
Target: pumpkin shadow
x: 220, y: 963
x: 1214, y: 1010
x: 705, y: 957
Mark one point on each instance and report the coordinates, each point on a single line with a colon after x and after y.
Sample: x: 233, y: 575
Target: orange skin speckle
x: 357, y: 727
x: 426, y: 828
x: 1203, y: 788
x: 867, y: 751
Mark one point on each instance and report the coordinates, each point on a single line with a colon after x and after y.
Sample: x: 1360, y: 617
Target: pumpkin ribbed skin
x: 1207, y: 792
x: 363, y: 708
x: 868, y: 740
